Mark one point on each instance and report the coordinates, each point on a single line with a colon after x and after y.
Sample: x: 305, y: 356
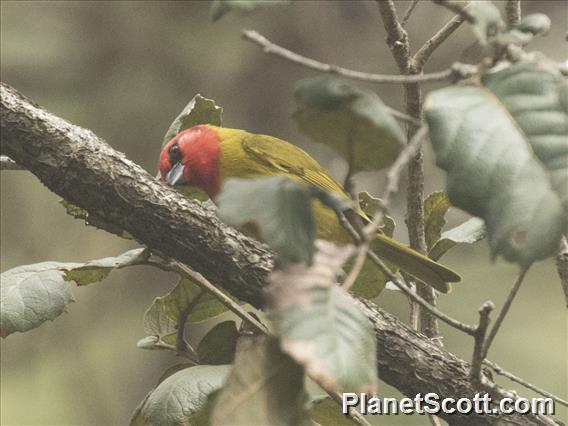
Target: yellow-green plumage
x: 246, y: 155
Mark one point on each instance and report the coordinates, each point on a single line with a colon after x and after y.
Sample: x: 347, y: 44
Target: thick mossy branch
x: 80, y: 167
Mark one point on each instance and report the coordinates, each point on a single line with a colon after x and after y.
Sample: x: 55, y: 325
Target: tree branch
x: 80, y: 167
x: 428, y: 48
x: 513, y: 12
x: 480, y: 332
x: 456, y: 72
x: 399, y: 44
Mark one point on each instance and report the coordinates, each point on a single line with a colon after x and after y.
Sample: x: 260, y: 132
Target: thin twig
x: 435, y: 421
x: 182, y: 346
x: 479, y: 336
x: 504, y: 310
x: 453, y: 73
x: 428, y: 48
x: 513, y: 12
x: 229, y: 303
x: 234, y: 307
x: 409, y: 151
x: 468, y: 329
x: 402, y: 116
x: 502, y: 372
x: 357, y: 417
x: 562, y: 266
x: 408, y: 12
x: 358, y: 240
x: 6, y: 163
x: 349, y: 183
x: 393, y: 175
x: 458, y: 8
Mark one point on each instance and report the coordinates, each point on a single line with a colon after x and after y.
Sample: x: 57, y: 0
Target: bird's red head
x: 192, y: 158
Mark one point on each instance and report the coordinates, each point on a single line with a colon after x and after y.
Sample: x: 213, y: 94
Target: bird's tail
x: 414, y: 263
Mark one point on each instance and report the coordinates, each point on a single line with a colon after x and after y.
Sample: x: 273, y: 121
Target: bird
x: 205, y: 156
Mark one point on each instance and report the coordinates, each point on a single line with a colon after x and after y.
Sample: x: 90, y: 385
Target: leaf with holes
x: 353, y: 121
x: 199, y: 110
x: 180, y: 396
x: 319, y: 324
x: 278, y: 208
x: 505, y: 150
x: 264, y: 387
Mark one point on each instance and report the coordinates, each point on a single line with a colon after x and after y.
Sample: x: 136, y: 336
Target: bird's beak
x: 175, y: 175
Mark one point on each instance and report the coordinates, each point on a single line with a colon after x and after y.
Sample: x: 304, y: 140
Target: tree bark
x: 80, y: 167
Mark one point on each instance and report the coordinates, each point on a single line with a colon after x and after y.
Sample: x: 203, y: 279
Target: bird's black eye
x: 175, y: 154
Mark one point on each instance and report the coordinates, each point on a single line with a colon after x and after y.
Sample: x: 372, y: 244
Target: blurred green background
x: 124, y: 70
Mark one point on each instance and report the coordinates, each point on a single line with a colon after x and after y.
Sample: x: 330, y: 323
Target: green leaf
x: 319, y: 324
x: 488, y: 23
x: 350, y: 120
x: 504, y: 148
x: 279, y: 208
x: 221, y: 7
x: 97, y: 270
x: 33, y: 294
x: 199, y: 110
x: 370, y: 206
x: 180, y: 396
x: 325, y: 412
x: 535, y: 24
x: 162, y: 317
x: 218, y: 345
x: 265, y: 387
x: 469, y: 232
x: 436, y: 205
x: 371, y: 281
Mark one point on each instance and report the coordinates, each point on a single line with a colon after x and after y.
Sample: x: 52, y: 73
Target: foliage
x: 522, y: 144
x: 282, y: 214
x: 353, y: 121
x: 33, y: 294
x: 496, y: 135
x: 319, y: 324
x: 180, y: 396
